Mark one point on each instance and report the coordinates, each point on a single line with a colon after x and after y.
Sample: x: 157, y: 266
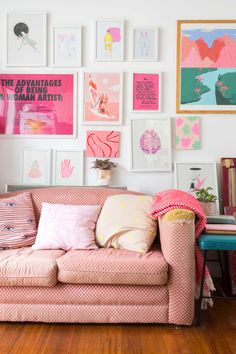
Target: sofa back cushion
x: 125, y: 222
x: 17, y: 222
x: 69, y: 195
x: 67, y: 227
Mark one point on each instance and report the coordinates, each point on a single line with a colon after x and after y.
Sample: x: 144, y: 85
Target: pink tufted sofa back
x: 69, y: 195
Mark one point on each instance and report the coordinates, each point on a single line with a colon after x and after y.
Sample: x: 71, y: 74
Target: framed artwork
x: 101, y: 143
x: 187, y: 133
x: 109, y: 40
x: 191, y: 176
x: 67, y: 46
x: 26, y: 39
x: 38, y: 105
x: 146, y: 92
x: 150, y: 144
x: 145, y: 44
x: 102, y: 101
x: 36, y: 166
x: 206, y: 67
x: 68, y: 168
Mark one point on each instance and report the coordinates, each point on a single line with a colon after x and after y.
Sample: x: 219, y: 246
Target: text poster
x: 146, y: 92
x: 37, y: 104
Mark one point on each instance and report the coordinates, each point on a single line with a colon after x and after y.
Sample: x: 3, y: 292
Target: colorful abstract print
x: 103, y: 143
x: 208, y: 66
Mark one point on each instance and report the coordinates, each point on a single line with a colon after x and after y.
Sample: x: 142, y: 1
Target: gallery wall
x: 218, y: 132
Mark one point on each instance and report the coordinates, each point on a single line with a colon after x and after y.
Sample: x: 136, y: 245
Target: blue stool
x: 218, y: 242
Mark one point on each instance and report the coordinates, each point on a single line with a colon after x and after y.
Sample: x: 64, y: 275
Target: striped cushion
x: 17, y: 222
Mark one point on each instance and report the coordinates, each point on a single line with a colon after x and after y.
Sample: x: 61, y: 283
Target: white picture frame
x: 144, y: 44
x: 190, y: 176
x: 66, y: 46
x: 109, y: 40
x: 68, y: 167
x: 26, y: 39
x: 150, y: 144
x: 108, y: 84
x: 36, y: 166
x: 30, y: 114
x: 142, y: 95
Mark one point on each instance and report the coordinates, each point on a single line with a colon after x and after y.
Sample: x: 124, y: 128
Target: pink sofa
x: 156, y: 287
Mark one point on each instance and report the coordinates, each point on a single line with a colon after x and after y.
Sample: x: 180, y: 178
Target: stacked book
x: 221, y: 224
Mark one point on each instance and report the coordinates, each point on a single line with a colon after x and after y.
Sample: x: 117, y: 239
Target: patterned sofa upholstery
x: 107, y: 286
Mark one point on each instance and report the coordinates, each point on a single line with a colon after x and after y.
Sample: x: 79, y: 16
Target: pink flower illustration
x: 150, y: 142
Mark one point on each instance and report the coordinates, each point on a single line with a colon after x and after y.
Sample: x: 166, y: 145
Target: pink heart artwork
x: 195, y: 129
x: 185, y: 142
x: 179, y: 122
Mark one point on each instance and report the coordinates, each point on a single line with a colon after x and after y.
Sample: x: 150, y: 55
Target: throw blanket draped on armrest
x: 171, y: 199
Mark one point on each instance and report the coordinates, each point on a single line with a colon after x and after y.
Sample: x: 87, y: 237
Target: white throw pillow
x: 67, y: 227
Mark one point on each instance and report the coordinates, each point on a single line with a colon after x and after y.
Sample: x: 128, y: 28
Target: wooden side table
x: 218, y: 242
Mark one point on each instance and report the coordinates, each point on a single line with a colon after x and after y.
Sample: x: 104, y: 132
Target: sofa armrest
x: 177, y: 237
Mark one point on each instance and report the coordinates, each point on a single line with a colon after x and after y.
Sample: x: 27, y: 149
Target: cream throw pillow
x: 125, y: 222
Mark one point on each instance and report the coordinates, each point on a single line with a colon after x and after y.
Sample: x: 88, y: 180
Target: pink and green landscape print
x: 208, y: 66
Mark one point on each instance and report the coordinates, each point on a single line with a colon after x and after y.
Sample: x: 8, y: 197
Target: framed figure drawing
x: 102, y: 101
x: 146, y: 92
x: 26, y: 39
x: 38, y: 104
x: 145, y: 44
x: 191, y: 176
x: 150, y: 144
x: 36, y: 166
x: 109, y: 40
x: 68, y: 168
x: 206, y: 66
x: 67, y: 46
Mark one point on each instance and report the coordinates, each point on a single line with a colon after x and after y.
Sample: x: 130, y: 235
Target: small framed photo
x: 26, y: 39
x: 67, y: 46
x: 191, y: 176
x: 109, y: 40
x: 150, y: 144
x: 68, y: 168
x: 102, y: 98
x: 103, y: 143
x: 36, y: 167
x: 145, y: 44
x: 146, y: 92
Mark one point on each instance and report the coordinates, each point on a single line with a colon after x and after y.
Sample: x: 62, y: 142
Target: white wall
x: 218, y: 132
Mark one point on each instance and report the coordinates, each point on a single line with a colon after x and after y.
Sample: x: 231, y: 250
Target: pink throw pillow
x: 17, y: 222
x: 67, y: 227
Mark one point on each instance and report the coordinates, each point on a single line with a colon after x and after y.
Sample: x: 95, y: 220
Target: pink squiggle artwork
x: 102, y: 143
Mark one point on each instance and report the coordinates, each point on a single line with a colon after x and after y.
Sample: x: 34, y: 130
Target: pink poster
x: 37, y: 104
x: 102, y: 143
x: 146, y: 92
x: 102, y: 98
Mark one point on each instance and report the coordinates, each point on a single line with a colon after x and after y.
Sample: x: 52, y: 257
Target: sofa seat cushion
x: 112, y: 266
x: 27, y: 267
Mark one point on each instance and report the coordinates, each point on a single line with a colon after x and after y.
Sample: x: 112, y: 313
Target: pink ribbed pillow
x: 17, y: 222
x: 67, y: 227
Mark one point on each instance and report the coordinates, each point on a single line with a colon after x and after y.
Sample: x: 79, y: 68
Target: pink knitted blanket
x: 171, y: 199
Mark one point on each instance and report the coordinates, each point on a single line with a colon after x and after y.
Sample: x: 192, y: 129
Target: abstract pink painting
x: 187, y: 133
x: 102, y: 143
x: 102, y: 98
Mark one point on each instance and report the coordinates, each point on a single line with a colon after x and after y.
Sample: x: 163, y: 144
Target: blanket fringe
x: 208, y: 288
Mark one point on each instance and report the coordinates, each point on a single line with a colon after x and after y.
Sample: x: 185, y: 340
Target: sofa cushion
x: 26, y: 267
x: 67, y: 227
x: 17, y: 222
x: 125, y: 222
x: 112, y: 266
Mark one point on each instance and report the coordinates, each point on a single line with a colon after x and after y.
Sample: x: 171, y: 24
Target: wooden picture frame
x: 206, y: 69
